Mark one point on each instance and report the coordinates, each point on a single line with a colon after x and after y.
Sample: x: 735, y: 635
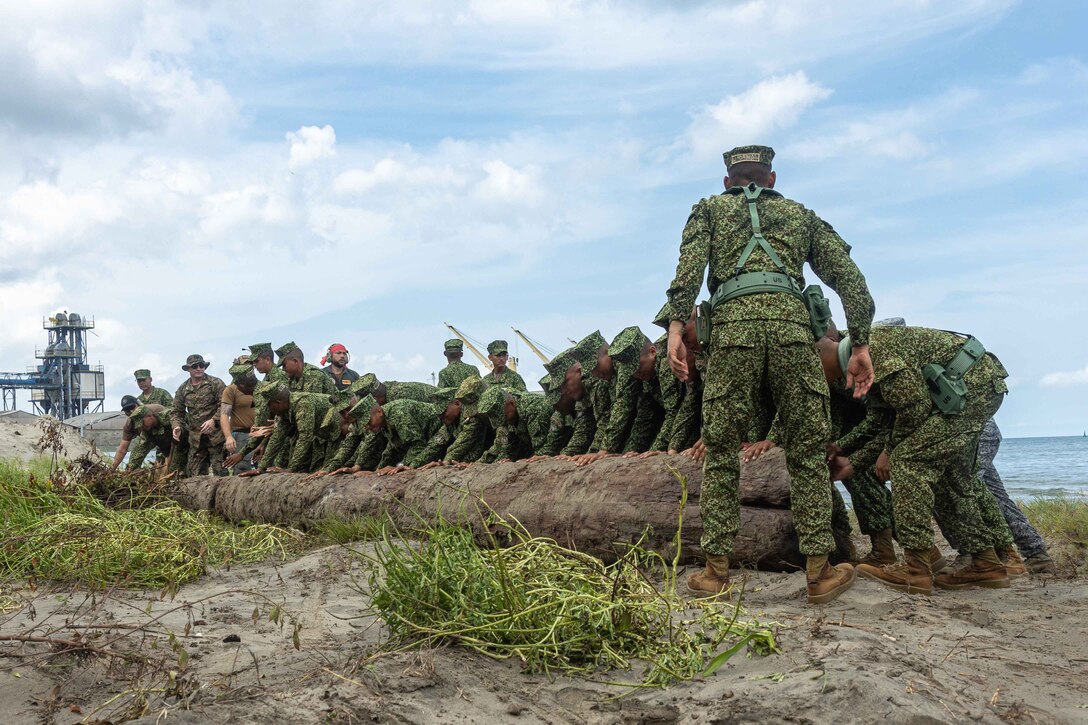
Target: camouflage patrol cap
x: 545, y: 382
x: 626, y: 349
x: 284, y: 350
x: 361, y: 409
x: 454, y: 345
x: 241, y: 372
x: 491, y: 405
x: 142, y: 374
x: 138, y: 412
x: 442, y: 397
x: 242, y: 360
x: 497, y: 347
x: 266, y: 389
x: 750, y: 154
x: 260, y: 348
x: 364, y: 385
x: 469, y: 393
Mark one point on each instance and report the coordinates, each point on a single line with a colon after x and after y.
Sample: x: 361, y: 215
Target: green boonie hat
x: 443, y: 397
x: 497, y: 347
x: 241, y: 371
x: 753, y: 154
x: 284, y: 350
x: 491, y: 405
x: 362, y: 408
x: 142, y: 374
x: 626, y: 349
x: 260, y: 348
x: 455, y: 344
x: 194, y: 360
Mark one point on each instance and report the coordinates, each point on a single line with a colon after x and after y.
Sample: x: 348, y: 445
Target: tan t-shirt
x: 241, y: 407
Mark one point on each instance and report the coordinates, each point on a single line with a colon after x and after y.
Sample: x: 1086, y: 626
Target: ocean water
x: 1043, y: 466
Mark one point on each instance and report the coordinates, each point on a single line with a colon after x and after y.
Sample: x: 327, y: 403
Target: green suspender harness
x: 750, y: 283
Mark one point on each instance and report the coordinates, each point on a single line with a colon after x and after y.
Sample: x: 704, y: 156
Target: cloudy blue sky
x: 201, y: 176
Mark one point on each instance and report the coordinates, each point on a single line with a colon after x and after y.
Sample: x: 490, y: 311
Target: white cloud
x: 310, y: 143
x: 747, y: 117
x: 1065, y: 379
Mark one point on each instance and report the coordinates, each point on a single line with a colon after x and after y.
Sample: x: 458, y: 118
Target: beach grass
x: 1063, y: 522
x: 85, y: 524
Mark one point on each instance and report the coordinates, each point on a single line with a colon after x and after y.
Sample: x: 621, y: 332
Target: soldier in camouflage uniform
x: 928, y: 455
x: 475, y: 434
x: 297, y: 441
x: 195, y: 417
x: 520, y: 420
x: 634, y: 415
x: 761, y: 347
x: 568, y: 390
x: 302, y: 377
x: 148, y: 392
x: 498, y: 353
x: 456, y: 370
x: 152, y: 424
x: 405, y: 427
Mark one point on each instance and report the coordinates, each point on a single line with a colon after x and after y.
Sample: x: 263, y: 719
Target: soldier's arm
x: 671, y: 398
x: 906, y: 393
x: 644, y: 427
x: 558, y: 434
x: 500, y: 448
x: 461, y: 448
x: 585, y: 427
x: 370, y: 451
x: 177, y: 408
x: 830, y: 260
x: 436, y: 447
x: 306, y: 422
x: 686, y: 425
x: 624, y: 408
x: 141, y: 446
x: 275, y: 445
x: 694, y: 257
x: 343, y: 452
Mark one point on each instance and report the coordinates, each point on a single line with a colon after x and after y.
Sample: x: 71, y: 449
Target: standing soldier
x: 342, y: 376
x: 195, y: 414
x: 236, y: 413
x: 302, y: 377
x: 148, y: 392
x: 498, y: 353
x: 755, y: 243
x: 455, y: 371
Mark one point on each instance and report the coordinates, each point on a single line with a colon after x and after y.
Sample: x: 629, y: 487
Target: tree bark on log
x: 598, y: 509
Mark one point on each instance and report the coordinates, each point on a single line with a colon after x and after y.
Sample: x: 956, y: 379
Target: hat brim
x: 186, y: 367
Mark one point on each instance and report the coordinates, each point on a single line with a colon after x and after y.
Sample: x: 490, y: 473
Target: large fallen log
x: 598, y: 508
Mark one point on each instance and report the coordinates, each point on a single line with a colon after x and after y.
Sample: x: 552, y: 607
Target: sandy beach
x: 1014, y: 655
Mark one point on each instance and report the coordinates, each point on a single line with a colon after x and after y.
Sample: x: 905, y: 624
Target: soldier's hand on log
x: 586, y: 458
x: 177, y: 432
x: 883, y: 467
x: 250, y: 473
x: 316, y: 474
x: 207, y: 426
x: 276, y: 469
x: 432, y: 464
x: 563, y: 457
x: 534, y: 459
x: 651, y: 454
x: 753, y: 451
x: 261, y: 431
x: 841, y: 469
x: 232, y: 460
x: 359, y: 474
x: 697, y: 452
x: 859, y: 371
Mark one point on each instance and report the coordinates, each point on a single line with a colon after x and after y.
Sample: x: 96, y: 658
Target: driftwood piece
x: 598, y: 508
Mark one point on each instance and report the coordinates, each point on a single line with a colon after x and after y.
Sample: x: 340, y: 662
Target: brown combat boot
x: 826, y: 582
x: 713, y: 579
x: 985, y: 570
x: 1014, y: 563
x: 914, y: 575
x: 1040, y: 564
x: 882, y: 551
x: 936, y: 559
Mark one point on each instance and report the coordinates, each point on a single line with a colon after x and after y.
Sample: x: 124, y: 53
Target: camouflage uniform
x: 509, y: 379
x: 456, y: 373
x: 572, y: 434
x: 160, y: 438
x: 475, y: 434
x: 761, y: 347
x: 313, y: 380
x: 297, y: 442
x: 1027, y: 538
x: 409, y: 426
x: 191, y: 407
x: 932, y: 455
x: 522, y: 438
x: 871, y: 498
x: 158, y: 396
x: 421, y: 392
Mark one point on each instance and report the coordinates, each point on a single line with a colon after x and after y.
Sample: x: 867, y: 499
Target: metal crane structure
x: 512, y: 363
x: 63, y: 384
x: 534, y: 346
